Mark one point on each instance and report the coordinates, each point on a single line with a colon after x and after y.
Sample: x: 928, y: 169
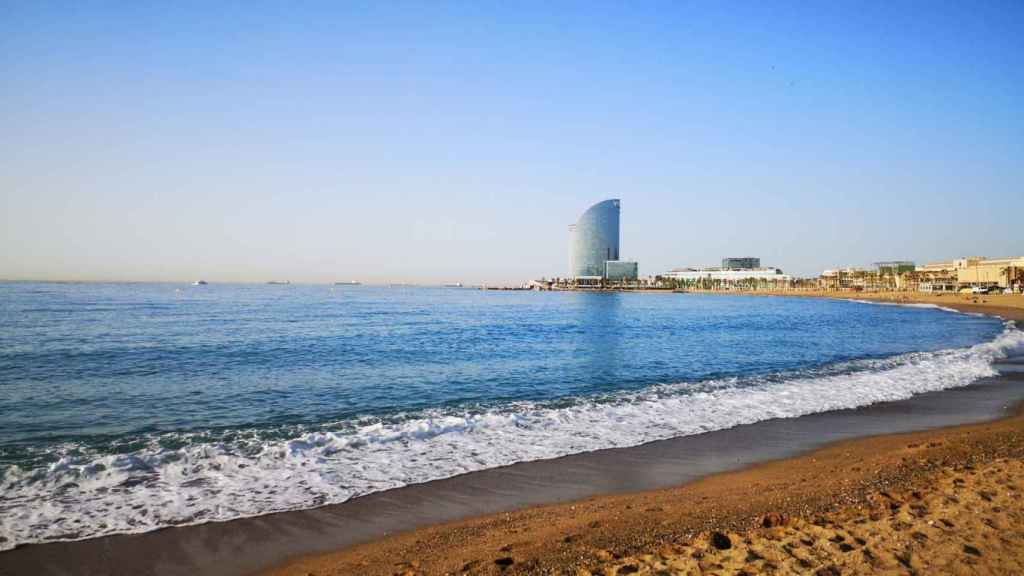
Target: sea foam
x: 925, y: 305
x: 209, y: 478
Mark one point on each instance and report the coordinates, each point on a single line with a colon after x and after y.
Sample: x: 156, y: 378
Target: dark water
x: 129, y: 407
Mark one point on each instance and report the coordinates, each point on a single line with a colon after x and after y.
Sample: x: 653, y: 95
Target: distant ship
x: 456, y: 285
x: 199, y: 283
x: 349, y: 283
x: 279, y: 282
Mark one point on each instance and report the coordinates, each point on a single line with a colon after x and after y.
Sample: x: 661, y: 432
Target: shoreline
x: 424, y: 522
x: 1004, y: 306
x: 361, y: 558
x: 603, y: 534
x: 363, y: 529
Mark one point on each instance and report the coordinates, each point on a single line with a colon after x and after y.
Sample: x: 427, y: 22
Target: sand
x: 967, y: 520
x: 1007, y: 306
x: 944, y: 501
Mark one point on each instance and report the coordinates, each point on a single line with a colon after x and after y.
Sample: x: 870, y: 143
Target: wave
x: 910, y: 305
x: 206, y: 478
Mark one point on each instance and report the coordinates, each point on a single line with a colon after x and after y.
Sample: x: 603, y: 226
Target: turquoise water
x: 127, y: 407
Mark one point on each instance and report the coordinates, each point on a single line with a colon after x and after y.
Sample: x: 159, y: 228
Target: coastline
x: 635, y: 495
x: 672, y: 528
x: 606, y: 534
x: 429, y: 540
x: 1005, y: 306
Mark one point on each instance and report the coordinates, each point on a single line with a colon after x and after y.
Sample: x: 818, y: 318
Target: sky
x: 442, y: 142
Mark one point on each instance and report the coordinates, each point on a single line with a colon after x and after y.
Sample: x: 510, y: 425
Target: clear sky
x: 457, y: 141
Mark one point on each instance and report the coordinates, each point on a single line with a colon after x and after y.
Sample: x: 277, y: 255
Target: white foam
x: 80, y: 497
x: 910, y: 305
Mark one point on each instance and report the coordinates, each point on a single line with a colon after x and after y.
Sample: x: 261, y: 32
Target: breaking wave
x: 178, y: 479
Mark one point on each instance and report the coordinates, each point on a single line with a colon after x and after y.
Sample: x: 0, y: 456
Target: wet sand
x: 621, y: 502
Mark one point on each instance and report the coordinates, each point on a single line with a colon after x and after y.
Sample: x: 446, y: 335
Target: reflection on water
x: 598, y: 344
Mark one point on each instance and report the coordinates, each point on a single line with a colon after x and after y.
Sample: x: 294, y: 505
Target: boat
x: 349, y: 283
x: 199, y: 283
x: 456, y: 285
x: 280, y: 282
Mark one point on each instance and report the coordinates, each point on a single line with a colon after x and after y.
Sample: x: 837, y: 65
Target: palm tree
x: 1014, y: 275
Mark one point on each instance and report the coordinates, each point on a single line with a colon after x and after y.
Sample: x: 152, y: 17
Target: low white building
x: 728, y: 275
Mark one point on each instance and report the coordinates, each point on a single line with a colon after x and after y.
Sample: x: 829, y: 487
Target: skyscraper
x: 594, y: 240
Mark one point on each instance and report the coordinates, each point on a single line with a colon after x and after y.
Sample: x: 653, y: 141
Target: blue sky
x: 457, y: 141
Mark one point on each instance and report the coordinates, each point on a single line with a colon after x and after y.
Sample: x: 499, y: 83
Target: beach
x: 941, y: 501
x: 1006, y: 306
x: 651, y: 508
x: 945, y: 501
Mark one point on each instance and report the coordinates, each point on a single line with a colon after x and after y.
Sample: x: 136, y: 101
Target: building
x: 744, y: 263
x: 894, y: 268
x: 978, y: 271
x: 745, y: 272
x: 855, y: 279
x: 937, y: 287
x: 594, y: 243
x: 620, y: 270
x: 947, y: 276
x: 728, y: 276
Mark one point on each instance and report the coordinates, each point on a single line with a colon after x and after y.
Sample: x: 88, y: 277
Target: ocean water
x: 130, y: 407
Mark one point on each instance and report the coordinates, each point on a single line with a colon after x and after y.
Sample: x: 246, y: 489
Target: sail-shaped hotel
x: 594, y: 245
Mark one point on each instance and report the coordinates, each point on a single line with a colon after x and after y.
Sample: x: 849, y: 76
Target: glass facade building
x: 741, y: 263
x: 620, y: 270
x: 594, y: 240
x: 895, y: 268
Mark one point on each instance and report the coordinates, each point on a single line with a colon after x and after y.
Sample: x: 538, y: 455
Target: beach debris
x: 971, y: 550
x: 721, y: 541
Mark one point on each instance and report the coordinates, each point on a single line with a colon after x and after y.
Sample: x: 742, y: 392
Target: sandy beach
x: 1006, y: 306
x: 944, y: 501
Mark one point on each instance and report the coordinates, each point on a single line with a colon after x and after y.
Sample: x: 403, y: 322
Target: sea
x: 126, y: 408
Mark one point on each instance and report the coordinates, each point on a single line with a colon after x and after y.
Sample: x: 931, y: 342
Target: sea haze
x: 125, y: 408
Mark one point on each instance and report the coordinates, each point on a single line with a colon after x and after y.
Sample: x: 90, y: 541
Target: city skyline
x: 434, y: 144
